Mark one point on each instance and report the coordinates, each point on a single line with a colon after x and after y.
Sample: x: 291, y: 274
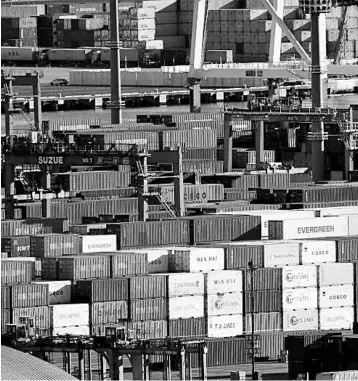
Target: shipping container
x: 281, y: 254
x: 66, y: 315
x: 225, y: 281
x: 181, y: 284
x: 336, y: 296
x: 54, y: 245
x: 299, y: 276
x: 215, y: 228
x: 83, y: 267
x: 108, y: 312
x: 59, y: 291
x: 152, y: 329
x: 224, y: 304
x: 347, y: 249
x: 263, y: 322
x: 16, y: 246
x: 263, y: 279
x: 148, y: 309
x: 193, y: 327
x: 347, y: 375
x: 154, y: 233
x: 300, y: 320
x: 98, y: 243
x: 264, y: 301
x: 331, y: 274
x: 158, y: 259
x: 185, y: 307
x: 16, y: 272
x: 323, y: 227
x: 125, y: 264
x: 100, y: 290
x: 336, y: 318
x: 5, y: 297
x: 295, y: 298
x: 318, y: 252
x: 153, y: 286
x: 41, y: 316
x: 29, y: 295
x: 225, y: 326
x: 196, y: 260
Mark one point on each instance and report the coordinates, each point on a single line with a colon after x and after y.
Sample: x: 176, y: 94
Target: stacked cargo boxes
x: 186, y: 305
x: 19, y: 31
x: 224, y: 303
x: 70, y: 319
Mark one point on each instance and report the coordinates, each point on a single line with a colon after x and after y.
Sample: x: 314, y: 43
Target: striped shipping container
x: 16, y: 246
x: 29, y: 295
x: 16, y: 272
x: 264, y: 301
x: 41, y: 316
x: 148, y: 287
x: 189, y: 139
x: 264, y: 279
x: 152, y: 329
x: 203, y: 166
x: 264, y: 322
x: 193, y: 327
x: 54, y: 245
x: 100, y: 290
x: 5, y: 318
x: 148, y: 309
x: 33, y: 226
x: 5, y: 297
x: 347, y: 249
x: 208, y: 229
x: 108, y: 312
x: 147, y: 234
x: 126, y: 264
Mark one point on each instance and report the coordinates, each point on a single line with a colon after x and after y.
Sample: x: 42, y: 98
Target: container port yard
x: 179, y: 190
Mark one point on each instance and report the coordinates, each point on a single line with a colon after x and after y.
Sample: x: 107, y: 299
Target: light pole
x: 252, y: 268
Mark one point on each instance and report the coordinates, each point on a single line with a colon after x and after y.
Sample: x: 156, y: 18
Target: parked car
x: 59, y: 82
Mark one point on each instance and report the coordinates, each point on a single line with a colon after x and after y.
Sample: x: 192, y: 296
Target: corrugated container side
x: 347, y: 249
x: 187, y: 327
x: 264, y: 322
x: 265, y: 301
x: 59, y: 291
x: 49, y: 268
x: 226, y: 228
x: 41, y: 316
x: 264, y: 279
x: 5, y: 297
x: 5, y: 319
x: 14, y: 272
x: 148, y: 309
x: 84, y: 267
x: 180, y: 284
x: 237, y: 257
x: 271, y: 344
x: 124, y: 264
x: 29, y: 295
x: 152, y: 329
x: 154, y: 286
x: 108, y: 312
x: 100, y: 290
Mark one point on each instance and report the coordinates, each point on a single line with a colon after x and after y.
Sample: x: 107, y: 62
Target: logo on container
x: 335, y: 297
x: 294, y: 320
x: 296, y: 298
x: 290, y: 277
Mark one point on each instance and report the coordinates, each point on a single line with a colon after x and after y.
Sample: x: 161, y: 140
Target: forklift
x: 23, y: 332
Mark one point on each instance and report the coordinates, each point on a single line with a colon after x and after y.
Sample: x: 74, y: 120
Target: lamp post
x: 252, y: 268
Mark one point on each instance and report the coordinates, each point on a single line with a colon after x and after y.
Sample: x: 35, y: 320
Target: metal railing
x: 22, y: 72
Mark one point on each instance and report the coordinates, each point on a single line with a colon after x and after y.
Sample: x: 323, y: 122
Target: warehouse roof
x: 16, y: 365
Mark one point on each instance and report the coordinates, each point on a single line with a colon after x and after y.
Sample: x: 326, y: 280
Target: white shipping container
x: 224, y: 304
x: 80, y: 330
x: 346, y: 375
x: 196, y: 259
x: 186, y: 307
x: 158, y: 259
x: 336, y: 318
x: 336, y: 296
x: 219, y: 282
x: 65, y: 315
x: 295, y: 298
x: 299, y: 276
x: 323, y: 227
x: 185, y: 284
x: 300, y: 320
x: 225, y: 326
x: 59, y: 290
x: 318, y: 252
x: 98, y: 243
x: 281, y: 254
x: 338, y: 211
x: 353, y: 219
x: 331, y: 274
